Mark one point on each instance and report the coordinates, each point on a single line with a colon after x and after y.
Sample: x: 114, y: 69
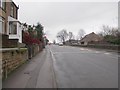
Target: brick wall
x: 8, y: 43
x: 11, y: 59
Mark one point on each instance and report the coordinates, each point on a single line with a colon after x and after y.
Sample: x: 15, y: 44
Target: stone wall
x: 33, y: 50
x: 12, y: 58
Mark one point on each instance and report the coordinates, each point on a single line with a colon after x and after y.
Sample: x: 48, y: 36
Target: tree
x: 110, y: 34
x: 30, y: 30
x: 70, y: 35
x: 39, y: 29
x: 29, y: 40
x: 62, y: 35
x: 81, y: 33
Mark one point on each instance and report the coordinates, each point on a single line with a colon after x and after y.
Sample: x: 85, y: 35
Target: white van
x: 60, y: 44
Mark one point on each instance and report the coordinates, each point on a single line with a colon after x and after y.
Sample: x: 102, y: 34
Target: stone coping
x: 9, y: 49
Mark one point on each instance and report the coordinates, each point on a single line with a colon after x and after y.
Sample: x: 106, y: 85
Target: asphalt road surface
x: 77, y: 67
x: 67, y: 67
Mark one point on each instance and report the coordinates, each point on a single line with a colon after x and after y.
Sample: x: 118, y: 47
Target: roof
x: 91, y: 37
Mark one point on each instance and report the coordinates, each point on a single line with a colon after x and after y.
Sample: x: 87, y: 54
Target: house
x: 91, y: 38
x: 9, y: 22
x: 2, y: 17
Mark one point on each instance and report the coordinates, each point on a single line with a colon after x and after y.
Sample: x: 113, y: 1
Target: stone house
x: 91, y: 38
x: 9, y: 23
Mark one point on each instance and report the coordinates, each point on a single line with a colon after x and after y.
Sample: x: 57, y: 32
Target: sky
x: 72, y: 15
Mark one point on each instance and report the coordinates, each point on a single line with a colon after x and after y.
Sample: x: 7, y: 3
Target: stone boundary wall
x: 33, y: 50
x: 12, y: 58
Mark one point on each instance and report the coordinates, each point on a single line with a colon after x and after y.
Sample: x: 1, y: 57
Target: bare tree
x: 62, y: 35
x: 81, y: 33
x: 110, y: 34
x: 107, y: 30
x: 70, y: 35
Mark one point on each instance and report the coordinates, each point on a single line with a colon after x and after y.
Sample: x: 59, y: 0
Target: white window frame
x: 12, y: 28
x: 2, y: 25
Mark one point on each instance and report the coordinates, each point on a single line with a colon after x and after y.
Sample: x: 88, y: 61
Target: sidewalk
x: 36, y: 73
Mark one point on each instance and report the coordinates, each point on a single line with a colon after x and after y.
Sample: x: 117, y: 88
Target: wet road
x: 84, y: 68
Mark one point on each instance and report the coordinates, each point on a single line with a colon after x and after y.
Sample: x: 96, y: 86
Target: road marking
x: 82, y: 49
x: 52, y: 55
x: 88, y: 49
x: 97, y: 52
x: 107, y: 53
x: 55, y: 85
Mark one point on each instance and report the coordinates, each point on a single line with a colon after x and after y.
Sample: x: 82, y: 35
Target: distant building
x: 71, y: 42
x: 91, y: 38
x: 9, y: 23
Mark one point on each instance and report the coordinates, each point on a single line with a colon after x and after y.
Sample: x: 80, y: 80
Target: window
x: 12, y: 28
x: 3, y: 4
x: 0, y: 3
x: 2, y: 25
x: 12, y: 10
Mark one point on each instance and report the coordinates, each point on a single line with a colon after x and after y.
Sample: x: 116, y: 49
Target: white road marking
x: 107, y: 53
x: 52, y: 55
x: 82, y: 49
x: 88, y: 49
x: 97, y: 52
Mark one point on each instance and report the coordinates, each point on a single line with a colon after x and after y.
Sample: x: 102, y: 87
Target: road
x: 84, y: 68
x: 67, y: 67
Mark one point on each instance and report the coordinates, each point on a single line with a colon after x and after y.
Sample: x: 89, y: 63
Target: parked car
x: 60, y: 44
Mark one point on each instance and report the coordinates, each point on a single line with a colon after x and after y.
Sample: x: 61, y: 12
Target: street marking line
x: 52, y: 55
x: 97, y: 52
x: 88, y: 50
x: 54, y: 61
x: 82, y: 49
x: 107, y: 53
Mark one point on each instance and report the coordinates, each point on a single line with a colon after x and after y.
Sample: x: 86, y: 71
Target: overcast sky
x: 72, y: 16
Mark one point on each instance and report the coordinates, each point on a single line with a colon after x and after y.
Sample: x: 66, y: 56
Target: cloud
x: 72, y: 16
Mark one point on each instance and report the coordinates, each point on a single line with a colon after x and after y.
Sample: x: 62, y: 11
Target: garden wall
x: 33, y: 50
x: 12, y: 58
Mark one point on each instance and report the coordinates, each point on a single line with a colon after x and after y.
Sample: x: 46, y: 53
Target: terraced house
x: 9, y: 23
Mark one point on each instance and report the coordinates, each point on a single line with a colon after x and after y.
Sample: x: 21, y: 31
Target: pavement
x: 36, y: 73
x: 67, y: 67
